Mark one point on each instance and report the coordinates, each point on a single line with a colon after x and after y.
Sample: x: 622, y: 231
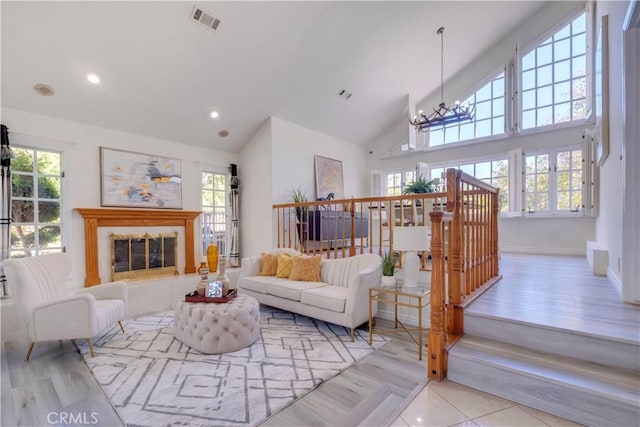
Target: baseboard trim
x: 542, y: 251
x: 615, y: 279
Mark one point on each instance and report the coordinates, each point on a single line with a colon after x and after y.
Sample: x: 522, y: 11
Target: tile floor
x: 449, y: 404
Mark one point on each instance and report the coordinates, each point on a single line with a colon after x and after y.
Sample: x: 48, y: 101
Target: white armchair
x: 37, y: 286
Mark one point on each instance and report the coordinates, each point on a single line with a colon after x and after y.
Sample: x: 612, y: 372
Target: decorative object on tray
x: 196, y: 297
x: 214, y: 289
x: 222, y: 276
x: 212, y: 257
x: 139, y: 180
x: 203, y: 271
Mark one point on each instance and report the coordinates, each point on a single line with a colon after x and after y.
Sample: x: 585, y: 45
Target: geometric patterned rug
x: 152, y: 379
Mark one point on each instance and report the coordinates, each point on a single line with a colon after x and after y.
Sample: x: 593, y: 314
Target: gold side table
x: 414, y: 297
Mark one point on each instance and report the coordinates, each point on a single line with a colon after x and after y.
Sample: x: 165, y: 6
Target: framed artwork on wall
x: 601, y: 71
x: 137, y: 180
x: 328, y: 178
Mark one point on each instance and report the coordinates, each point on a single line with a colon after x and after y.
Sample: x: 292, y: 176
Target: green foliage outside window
x: 35, y: 210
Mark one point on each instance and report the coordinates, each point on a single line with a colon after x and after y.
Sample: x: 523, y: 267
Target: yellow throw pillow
x: 269, y: 264
x: 284, y: 265
x: 306, y: 269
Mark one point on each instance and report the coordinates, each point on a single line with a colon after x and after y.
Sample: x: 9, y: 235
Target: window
x: 554, y: 78
x: 214, y: 211
x: 493, y: 172
x: 488, y: 119
x: 397, y: 180
x: 36, y: 188
x: 554, y: 181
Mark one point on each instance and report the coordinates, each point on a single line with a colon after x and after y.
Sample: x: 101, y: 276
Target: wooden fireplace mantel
x: 107, y: 217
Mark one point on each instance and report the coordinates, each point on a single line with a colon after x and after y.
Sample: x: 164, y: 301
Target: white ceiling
x: 162, y: 74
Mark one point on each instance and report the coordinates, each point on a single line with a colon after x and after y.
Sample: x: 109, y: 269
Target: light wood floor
x: 559, y: 292
x: 555, y: 291
x: 374, y: 391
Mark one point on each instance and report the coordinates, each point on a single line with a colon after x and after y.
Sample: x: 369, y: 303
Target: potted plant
x: 388, y: 268
x: 299, y: 196
x: 302, y: 213
x: 419, y: 185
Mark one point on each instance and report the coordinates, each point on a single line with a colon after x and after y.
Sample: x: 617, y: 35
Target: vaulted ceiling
x: 162, y: 73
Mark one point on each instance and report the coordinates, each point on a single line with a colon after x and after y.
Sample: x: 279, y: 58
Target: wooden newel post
x: 437, y: 334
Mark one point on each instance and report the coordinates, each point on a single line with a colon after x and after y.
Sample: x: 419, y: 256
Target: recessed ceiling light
x: 93, y: 78
x: 214, y: 115
x: 223, y: 133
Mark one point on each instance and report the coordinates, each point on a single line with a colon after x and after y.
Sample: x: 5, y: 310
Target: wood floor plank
x: 556, y: 291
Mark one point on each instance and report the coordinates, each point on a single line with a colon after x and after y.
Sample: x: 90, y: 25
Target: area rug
x: 152, y: 379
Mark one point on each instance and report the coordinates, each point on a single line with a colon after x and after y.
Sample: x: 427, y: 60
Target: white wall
x: 608, y: 225
x: 81, y: 155
x: 279, y: 158
x: 294, y: 148
x: 549, y: 235
x: 255, y: 172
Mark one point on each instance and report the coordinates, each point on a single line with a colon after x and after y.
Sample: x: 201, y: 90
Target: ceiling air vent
x: 345, y: 94
x: 204, y: 19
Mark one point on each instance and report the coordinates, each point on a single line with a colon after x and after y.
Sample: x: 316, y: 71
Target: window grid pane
x: 489, y: 102
x: 36, y: 228
x: 552, y: 62
x: 537, y: 183
x: 569, y: 180
x: 494, y: 172
x: 214, y: 211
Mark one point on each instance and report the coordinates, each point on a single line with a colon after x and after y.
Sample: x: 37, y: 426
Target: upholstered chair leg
x: 26, y: 359
x: 121, y: 327
x: 90, y: 347
x: 353, y: 334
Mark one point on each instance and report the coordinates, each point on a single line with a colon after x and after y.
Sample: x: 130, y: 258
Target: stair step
x: 585, y: 392
x: 602, y: 350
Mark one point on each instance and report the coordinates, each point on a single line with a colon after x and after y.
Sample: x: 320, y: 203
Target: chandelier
x: 442, y: 115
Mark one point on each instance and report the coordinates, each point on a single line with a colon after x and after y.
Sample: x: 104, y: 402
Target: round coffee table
x: 217, y: 328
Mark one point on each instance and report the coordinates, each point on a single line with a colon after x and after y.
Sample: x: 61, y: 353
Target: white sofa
x: 341, y: 297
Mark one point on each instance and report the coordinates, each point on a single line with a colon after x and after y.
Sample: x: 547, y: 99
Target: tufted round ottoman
x: 217, y: 328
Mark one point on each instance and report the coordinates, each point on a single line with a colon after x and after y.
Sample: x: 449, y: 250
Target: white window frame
x: 502, y: 70
x: 205, y: 241
x: 474, y: 161
x: 517, y: 75
x: 406, y: 176
x: 37, y: 248
x: 552, y: 152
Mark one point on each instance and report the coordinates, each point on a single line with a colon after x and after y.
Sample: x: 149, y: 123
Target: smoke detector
x: 203, y: 18
x: 43, y: 89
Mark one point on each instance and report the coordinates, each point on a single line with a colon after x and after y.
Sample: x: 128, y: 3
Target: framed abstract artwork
x: 138, y: 180
x: 328, y: 178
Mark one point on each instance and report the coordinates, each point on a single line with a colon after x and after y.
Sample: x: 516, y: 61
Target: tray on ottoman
x: 195, y: 297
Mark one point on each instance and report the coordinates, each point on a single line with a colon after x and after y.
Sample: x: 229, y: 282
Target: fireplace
x: 140, y: 256
x: 149, y: 219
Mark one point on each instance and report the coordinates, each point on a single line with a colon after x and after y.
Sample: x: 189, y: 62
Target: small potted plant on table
x: 388, y: 268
